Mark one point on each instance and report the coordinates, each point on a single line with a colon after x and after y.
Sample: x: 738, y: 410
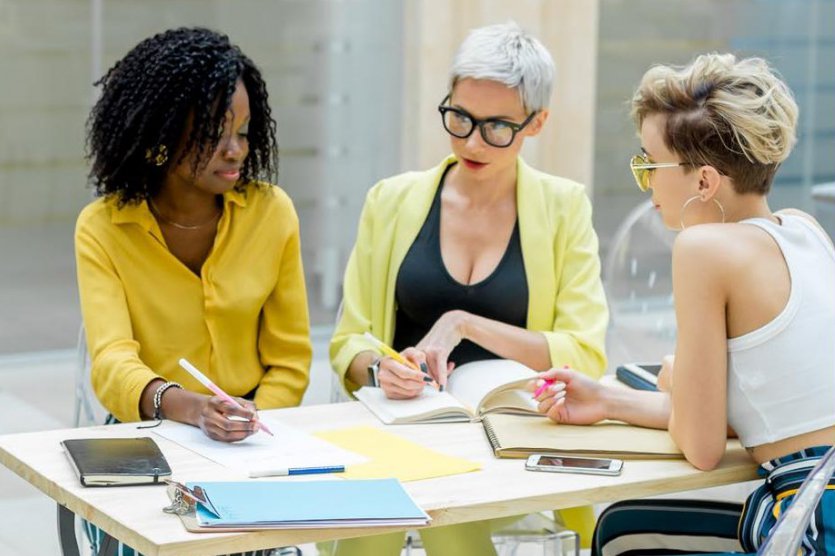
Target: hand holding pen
x: 224, y: 417
x: 401, y: 376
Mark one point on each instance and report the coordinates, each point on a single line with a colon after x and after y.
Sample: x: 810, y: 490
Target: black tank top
x: 425, y: 290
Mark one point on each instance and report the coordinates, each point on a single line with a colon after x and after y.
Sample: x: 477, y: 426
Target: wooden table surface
x: 502, y: 488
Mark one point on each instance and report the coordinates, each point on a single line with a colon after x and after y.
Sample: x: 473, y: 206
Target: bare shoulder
x: 720, y: 248
x: 709, y: 242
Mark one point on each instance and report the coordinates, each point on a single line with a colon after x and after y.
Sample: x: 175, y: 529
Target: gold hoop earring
x: 693, y: 198
x: 157, y: 155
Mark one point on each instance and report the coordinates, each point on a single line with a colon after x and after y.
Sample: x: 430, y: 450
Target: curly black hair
x: 147, y: 99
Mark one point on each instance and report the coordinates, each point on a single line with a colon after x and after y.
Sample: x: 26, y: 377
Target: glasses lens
x: 641, y: 174
x: 457, y: 124
x: 498, y: 134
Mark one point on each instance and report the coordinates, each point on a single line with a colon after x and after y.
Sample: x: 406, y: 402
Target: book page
x: 430, y: 405
x: 471, y: 383
x: 510, y: 398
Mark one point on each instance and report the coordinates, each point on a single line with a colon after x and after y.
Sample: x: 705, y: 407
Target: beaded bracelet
x: 158, y: 397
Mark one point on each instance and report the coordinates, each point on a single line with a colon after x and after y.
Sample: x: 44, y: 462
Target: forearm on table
x: 177, y: 404
x: 638, y: 407
x: 507, y: 341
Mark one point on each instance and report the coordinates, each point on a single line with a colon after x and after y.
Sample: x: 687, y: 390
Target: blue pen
x: 284, y: 471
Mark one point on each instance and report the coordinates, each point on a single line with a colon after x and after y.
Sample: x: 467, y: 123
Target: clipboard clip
x: 184, y: 500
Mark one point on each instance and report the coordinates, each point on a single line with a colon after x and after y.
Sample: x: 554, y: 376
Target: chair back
x: 88, y: 410
x: 786, y: 535
x: 338, y: 393
x: 637, y: 277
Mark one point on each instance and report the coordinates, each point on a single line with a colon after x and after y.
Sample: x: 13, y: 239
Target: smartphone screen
x: 571, y: 464
x: 586, y: 463
x: 651, y: 368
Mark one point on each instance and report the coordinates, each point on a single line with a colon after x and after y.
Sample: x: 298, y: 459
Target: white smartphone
x: 570, y: 464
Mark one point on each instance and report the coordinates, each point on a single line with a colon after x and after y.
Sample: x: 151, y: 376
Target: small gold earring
x: 157, y: 155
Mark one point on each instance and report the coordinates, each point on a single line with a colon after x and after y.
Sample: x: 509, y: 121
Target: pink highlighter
x: 205, y: 381
x: 548, y: 382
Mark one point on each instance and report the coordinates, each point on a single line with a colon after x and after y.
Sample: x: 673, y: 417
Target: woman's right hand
x: 222, y: 421
x: 400, y: 382
x: 573, y: 398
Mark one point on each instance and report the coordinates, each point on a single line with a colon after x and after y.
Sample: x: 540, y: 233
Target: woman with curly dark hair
x: 185, y: 253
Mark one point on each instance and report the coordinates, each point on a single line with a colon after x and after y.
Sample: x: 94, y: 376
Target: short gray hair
x: 506, y: 54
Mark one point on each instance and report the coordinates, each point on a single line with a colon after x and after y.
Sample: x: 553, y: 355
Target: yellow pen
x: 390, y: 352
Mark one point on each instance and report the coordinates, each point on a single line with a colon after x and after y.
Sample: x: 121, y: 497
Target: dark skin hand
x: 218, y: 419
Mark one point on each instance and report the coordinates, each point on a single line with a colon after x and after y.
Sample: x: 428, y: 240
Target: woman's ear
x: 536, y: 124
x: 709, y: 181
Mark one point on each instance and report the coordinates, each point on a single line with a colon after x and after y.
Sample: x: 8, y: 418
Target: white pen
x: 284, y: 471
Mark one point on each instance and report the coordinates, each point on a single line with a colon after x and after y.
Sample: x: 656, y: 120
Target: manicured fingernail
x: 428, y: 379
x: 440, y: 388
x: 557, y: 386
x: 424, y: 368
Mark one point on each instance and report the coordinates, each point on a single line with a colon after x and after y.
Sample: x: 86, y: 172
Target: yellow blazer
x: 559, y: 248
x: 243, y: 321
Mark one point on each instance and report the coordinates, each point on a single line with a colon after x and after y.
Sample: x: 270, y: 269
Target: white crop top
x: 781, y: 377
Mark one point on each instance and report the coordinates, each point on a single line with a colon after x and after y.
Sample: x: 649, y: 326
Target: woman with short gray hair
x: 481, y: 257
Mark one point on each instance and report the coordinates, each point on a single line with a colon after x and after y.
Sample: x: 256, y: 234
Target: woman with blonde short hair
x: 755, y: 311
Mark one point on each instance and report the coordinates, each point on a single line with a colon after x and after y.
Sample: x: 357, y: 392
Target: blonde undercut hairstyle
x: 735, y: 115
x: 506, y: 54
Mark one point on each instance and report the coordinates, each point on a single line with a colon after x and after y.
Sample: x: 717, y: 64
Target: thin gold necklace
x: 177, y: 225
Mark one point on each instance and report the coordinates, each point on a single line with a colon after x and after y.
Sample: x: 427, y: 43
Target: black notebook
x: 117, y: 461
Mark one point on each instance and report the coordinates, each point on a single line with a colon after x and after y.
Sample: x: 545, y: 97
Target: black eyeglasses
x: 495, y: 132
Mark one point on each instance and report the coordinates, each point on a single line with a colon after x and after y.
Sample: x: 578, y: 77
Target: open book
x: 473, y: 390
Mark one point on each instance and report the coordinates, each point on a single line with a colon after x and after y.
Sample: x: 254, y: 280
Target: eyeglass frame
x: 514, y: 127
x: 646, y: 165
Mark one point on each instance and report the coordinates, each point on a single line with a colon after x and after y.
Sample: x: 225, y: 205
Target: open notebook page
x: 290, y: 447
x: 429, y: 403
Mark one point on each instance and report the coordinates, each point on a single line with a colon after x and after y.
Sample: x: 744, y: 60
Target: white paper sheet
x: 289, y: 448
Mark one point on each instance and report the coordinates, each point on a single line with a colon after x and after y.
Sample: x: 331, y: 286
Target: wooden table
x: 503, y: 488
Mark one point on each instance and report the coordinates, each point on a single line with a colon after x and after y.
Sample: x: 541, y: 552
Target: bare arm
x: 508, y: 341
x: 577, y: 399
x: 209, y: 413
x: 701, y: 272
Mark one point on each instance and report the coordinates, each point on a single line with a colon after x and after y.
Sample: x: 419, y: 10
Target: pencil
x: 390, y: 352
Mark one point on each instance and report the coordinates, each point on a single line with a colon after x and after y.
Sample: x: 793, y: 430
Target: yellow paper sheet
x: 393, y: 456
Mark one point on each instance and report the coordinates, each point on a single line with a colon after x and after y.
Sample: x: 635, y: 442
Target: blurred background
x: 354, y: 85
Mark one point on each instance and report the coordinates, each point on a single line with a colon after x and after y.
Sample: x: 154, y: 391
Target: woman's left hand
x: 439, y: 342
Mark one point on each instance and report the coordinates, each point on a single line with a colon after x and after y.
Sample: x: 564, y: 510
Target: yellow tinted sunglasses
x: 641, y: 167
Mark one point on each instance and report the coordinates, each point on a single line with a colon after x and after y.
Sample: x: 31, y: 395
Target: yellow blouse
x: 559, y: 248
x: 243, y: 321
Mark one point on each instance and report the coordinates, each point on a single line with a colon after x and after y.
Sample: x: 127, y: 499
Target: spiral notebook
x: 514, y: 436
